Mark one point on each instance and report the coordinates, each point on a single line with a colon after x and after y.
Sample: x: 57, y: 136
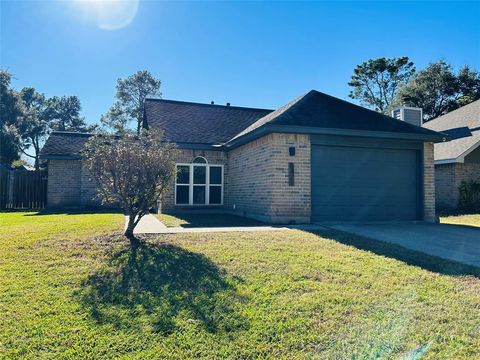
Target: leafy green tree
x: 9, y: 144
x: 64, y: 114
x: 131, y: 171
x: 469, y: 85
x: 116, y: 119
x: 376, y: 81
x: 10, y: 110
x: 33, y: 125
x: 19, y: 163
x: 131, y: 93
x: 438, y: 90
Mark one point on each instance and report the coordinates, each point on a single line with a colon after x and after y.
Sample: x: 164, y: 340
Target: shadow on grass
x: 408, y: 256
x: 192, y: 220
x: 76, y: 211
x: 165, y: 286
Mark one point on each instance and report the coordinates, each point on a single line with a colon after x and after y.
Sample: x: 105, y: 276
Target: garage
x: 365, y: 179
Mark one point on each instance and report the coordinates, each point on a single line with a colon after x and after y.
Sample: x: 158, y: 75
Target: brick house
x: 318, y: 158
x: 458, y: 159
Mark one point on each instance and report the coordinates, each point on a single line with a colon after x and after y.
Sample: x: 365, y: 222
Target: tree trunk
x: 129, y: 231
x: 37, y: 154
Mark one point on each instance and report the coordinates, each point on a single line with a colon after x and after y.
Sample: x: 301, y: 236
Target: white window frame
x: 207, y: 184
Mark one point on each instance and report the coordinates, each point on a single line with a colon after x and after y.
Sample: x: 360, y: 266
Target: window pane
x: 182, y: 194
x: 215, y: 195
x: 199, y: 160
x: 215, y: 175
x: 199, y: 194
x: 199, y: 174
x: 183, y: 174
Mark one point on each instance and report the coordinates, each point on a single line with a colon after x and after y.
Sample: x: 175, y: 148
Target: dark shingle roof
x: 464, y: 125
x: 64, y: 144
x: 318, y: 110
x: 204, y: 124
x: 186, y: 122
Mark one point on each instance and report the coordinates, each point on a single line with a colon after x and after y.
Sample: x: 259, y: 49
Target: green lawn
x: 470, y: 220
x: 205, y: 220
x: 70, y: 288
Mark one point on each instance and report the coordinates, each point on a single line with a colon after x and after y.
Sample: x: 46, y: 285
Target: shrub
x: 469, y: 199
x: 132, y: 171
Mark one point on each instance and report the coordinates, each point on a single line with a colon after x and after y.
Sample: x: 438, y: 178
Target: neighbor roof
x: 463, y: 127
x: 187, y: 122
x: 64, y: 145
x: 316, y: 110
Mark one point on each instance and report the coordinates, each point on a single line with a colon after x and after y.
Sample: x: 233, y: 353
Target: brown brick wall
x: 258, y: 179
x: 249, y: 190
x: 448, y: 178
x: 446, y: 187
x: 69, y: 184
x: 64, y: 183
x: 428, y: 183
x: 469, y: 171
x: 88, y: 189
x: 291, y: 203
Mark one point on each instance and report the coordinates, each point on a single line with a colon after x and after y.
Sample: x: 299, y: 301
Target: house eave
x: 198, y: 146
x: 447, y: 161
x: 269, y: 128
x: 460, y: 159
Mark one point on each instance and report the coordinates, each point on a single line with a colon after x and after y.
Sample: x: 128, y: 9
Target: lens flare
x: 110, y: 14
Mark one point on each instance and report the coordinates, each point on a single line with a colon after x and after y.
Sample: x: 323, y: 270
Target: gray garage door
x: 364, y: 184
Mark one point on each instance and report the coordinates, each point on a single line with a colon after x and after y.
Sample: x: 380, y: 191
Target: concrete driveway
x: 452, y: 242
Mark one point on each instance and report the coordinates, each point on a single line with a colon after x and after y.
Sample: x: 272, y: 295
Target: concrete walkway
x: 149, y: 224
x: 452, y: 242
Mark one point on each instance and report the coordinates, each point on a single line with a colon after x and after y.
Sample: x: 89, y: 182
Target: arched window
x: 199, y: 183
x: 200, y: 160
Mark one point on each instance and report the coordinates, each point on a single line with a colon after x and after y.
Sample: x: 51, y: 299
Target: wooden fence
x: 23, y: 189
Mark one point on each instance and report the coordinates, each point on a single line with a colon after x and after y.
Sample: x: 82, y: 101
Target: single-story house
x: 317, y: 158
x: 458, y: 159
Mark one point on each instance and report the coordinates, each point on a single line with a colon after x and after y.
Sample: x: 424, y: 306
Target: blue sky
x: 246, y: 53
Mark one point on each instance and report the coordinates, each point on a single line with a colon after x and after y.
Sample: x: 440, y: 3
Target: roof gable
x: 319, y: 110
x: 187, y: 122
x: 64, y: 145
x: 463, y: 127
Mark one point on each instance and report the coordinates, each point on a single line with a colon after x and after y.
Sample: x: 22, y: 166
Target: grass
x: 469, y: 220
x: 71, y: 288
x: 205, y: 220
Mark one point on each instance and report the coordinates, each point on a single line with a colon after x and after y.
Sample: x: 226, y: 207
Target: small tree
x: 131, y: 93
x: 438, y: 90
x: 469, y: 196
x: 63, y: 113
x: 11, y: 109
x: 33, y: 125
x: 131, y: 171
x: 376, y: 81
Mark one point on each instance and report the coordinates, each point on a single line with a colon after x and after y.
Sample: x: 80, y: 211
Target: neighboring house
x: 317, y: 158
x: 458, y: 159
